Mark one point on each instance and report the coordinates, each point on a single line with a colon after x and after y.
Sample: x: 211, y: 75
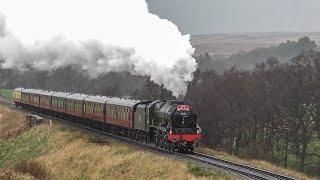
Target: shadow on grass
x: 34, y: 168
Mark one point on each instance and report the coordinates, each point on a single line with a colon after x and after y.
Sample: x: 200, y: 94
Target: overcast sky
x: 232, y: 16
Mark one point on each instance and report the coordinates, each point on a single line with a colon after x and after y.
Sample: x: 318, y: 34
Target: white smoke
x: 99, y: 35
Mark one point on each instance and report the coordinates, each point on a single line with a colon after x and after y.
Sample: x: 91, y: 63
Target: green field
x: 6, y: 93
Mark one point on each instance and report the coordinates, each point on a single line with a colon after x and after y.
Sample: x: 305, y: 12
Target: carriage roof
x: 77, y: 96
x: 47, y: 93
x: 32, y: 91
x: 60, y: 94
x: 97, y: 99
x: 18, y: 89
x: 122, y: 102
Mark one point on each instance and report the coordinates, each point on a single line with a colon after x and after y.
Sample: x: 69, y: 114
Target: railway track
x: 241, y: 170
x: 248, y: 171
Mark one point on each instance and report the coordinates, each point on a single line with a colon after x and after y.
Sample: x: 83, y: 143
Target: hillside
x: 66, y: 152
x: 283, y: 53
x: 228, y: 44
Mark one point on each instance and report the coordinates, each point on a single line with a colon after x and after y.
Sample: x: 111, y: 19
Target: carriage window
x: 71, y: 105
x: 87, y: 108
x: 99, y: 109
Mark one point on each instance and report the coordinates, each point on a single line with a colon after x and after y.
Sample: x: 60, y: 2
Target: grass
x: 256, y: 163
x: 66, y: 152
x: 199, y: 171
x: 11, y: 122
x: 312, y: 162
x: 7, y: 93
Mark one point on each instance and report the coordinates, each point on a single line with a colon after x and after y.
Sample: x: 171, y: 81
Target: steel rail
x: 268, y: 174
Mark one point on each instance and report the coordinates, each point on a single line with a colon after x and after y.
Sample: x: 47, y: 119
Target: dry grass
x: 11, y: 122
x: 89, y: 157
x: 9, y: 174
x: 256, y: 163
x: 64, y: 152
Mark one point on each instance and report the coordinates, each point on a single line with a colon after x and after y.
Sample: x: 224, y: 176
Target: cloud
x: 98, y: 35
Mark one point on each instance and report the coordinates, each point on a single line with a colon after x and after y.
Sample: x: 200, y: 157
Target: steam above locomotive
x: 166, y: 123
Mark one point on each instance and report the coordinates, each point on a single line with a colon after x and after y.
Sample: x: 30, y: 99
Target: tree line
x: 271, y: 112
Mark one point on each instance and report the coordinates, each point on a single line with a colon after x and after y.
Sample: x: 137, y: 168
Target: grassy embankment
x: 256, y: 163
x: 65, y: 152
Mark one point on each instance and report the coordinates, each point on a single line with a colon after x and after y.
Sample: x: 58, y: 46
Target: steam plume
x: 99, y: 35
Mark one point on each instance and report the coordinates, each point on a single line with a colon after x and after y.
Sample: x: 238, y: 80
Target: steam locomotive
x: 168, y: 124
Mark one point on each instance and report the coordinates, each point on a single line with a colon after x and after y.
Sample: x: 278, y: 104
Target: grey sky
x: 231, y: 16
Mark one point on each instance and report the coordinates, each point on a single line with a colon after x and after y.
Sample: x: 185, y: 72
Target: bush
x: 199, y: 171
x: 33, y: 168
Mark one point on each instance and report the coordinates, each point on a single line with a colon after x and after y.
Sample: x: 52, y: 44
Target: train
x: 169, y: 124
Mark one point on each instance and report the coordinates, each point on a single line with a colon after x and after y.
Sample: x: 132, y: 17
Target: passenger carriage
x: 120, y: 112
x: 74, y: 105
x: 30, y: 98
x: 94, y: 109
x: 58, y: 104
x: 46, y: 101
